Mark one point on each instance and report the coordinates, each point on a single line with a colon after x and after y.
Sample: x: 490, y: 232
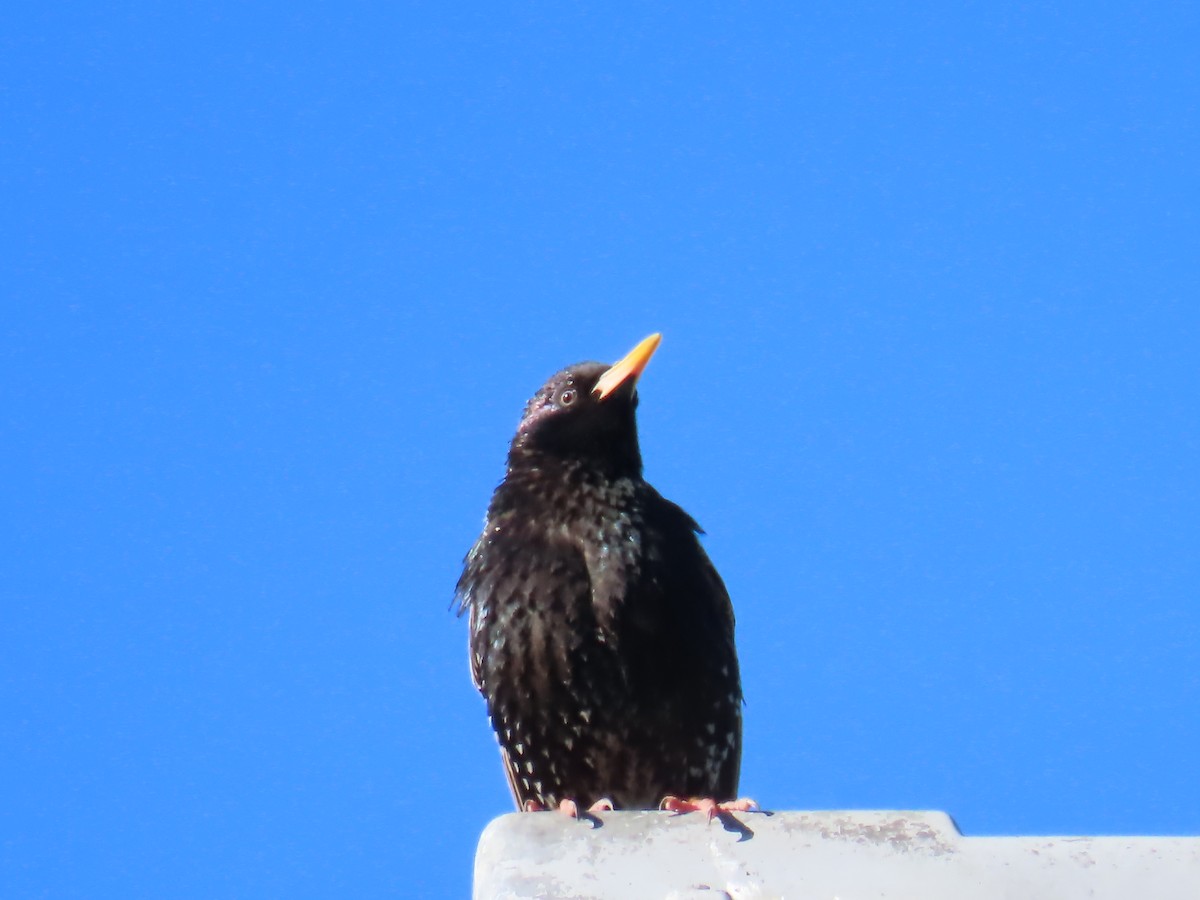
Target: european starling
x: 600, y: 634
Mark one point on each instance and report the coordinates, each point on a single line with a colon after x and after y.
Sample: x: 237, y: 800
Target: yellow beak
x: 630, y: 367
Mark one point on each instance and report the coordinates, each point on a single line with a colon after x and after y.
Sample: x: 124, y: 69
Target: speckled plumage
x: 601, y: 636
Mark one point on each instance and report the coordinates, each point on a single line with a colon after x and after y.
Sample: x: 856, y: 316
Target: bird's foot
x: 707, y: 805
x: 571, y: 808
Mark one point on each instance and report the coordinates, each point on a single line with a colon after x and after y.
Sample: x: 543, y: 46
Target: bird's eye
x: 567, y: 397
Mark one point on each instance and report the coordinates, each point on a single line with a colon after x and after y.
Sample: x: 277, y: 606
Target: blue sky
x: 278, y: 280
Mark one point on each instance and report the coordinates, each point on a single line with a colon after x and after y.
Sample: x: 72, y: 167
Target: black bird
x: 600, y: 634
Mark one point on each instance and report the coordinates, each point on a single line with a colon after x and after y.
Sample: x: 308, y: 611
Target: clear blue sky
x: 278, y: 279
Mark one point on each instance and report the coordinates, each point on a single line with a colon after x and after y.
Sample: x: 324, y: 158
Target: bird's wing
x: 470, y: 596
x: 696, y: 600
x: 475, y: 657
x: 514, y: 785
x: 711, y: 593
x: 528, y: 604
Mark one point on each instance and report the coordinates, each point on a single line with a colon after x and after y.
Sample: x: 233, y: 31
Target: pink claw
x: 707, y: 805
x: 570, y: 807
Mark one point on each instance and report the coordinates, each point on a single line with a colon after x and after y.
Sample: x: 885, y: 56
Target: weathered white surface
x: 827, y: 855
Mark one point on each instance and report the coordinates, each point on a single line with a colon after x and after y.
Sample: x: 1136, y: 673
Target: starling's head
x: 587, y: 412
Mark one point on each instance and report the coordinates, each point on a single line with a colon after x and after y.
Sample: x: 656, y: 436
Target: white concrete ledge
x: 846, y: 855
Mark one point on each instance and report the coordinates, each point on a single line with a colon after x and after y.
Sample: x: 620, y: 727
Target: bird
x: 600, y: 634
